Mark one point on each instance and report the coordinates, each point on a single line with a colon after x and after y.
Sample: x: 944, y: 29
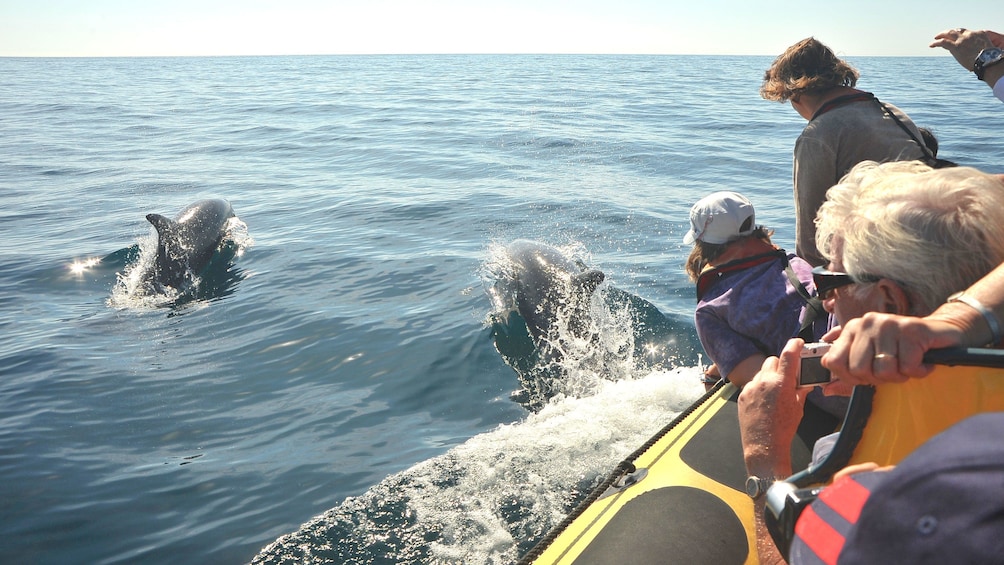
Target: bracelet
x: 988, y: 315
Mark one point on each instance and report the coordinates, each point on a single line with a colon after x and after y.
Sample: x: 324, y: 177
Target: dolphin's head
x: 550, y: 287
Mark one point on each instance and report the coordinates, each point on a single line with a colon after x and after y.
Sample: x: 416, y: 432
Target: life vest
x: 886, y: 422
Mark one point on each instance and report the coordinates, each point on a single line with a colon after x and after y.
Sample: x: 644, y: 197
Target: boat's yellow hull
x: 688, y: 505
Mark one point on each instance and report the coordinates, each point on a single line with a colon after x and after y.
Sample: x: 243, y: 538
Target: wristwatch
x: 988, y: 315
x: 756, y: 487
x: 987, y: 57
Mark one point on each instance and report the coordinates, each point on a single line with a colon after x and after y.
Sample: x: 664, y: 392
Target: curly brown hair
x: 807, y: 66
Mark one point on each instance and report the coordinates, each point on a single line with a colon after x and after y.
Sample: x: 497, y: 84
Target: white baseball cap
x: 719, y: 218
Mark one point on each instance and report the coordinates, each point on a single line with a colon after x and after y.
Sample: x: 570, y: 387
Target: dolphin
x: 187, y: 243
x: 543, y: 294
x: 542, y: 303
x: 549, y: 286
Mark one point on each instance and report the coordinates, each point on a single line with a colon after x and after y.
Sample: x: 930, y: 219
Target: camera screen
x: 812, y: 372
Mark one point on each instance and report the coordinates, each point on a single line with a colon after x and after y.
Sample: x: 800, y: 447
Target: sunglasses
x: 827, y: 281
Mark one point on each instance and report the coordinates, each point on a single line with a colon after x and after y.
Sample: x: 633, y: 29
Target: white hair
x: 933, y: 231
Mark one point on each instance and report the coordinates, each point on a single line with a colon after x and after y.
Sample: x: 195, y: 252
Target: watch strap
x: 756, y: 487
x: 988, y: 315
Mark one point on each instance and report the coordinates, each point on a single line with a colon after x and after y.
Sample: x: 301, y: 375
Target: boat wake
x: 492, y: 498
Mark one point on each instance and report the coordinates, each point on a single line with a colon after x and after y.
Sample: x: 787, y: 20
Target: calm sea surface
x: 341, y: 398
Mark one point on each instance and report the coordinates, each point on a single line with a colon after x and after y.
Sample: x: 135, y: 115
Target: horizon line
x: 441, y: 54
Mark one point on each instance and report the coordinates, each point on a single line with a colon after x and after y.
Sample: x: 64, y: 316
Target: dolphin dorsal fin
x: 160, y: 223
x: 588, y: 280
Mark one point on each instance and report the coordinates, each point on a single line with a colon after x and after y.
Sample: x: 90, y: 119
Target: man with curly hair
x: 846, y: 126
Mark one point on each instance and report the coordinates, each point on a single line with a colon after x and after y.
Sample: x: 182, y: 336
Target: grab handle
x: 971, y: 356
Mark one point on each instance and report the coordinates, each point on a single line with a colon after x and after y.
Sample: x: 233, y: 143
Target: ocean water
x: 337, y: 395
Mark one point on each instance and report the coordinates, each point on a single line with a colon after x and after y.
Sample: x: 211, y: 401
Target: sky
x: 130, y: 28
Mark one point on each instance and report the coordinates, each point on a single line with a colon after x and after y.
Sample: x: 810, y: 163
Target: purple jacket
x: 752, y: 310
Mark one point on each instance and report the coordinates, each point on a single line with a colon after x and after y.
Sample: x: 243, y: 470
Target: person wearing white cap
x: 752, y: 295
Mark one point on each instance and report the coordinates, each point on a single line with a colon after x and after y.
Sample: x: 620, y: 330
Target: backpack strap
x: 929, y: 157
x: 815, y: 305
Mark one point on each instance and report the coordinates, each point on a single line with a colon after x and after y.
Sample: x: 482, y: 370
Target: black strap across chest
x: 929, y: 157
x: 815, y: 304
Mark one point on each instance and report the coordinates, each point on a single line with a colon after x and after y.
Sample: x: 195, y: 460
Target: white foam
x: 571, y: 443
x: 480, y: 500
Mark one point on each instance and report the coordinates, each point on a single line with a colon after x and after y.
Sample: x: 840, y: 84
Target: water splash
x: 494, y: 497
x: 621, y: 337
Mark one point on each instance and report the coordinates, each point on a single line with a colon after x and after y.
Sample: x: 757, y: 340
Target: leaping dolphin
x: 543, y: 323
x: 187, y: 243
x: 550, y: 286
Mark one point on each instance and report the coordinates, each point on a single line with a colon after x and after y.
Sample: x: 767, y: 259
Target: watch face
x: 990, y: 55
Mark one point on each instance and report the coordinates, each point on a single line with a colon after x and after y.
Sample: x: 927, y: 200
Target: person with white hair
x: 900, y: 238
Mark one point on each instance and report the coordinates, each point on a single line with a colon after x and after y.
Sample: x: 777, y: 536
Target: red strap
x: 819, y: 536
x: 708, y: 278
x: 846, y: 498
x: 841, y: 101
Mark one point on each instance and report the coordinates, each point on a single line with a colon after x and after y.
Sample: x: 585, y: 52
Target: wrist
x: 977, y: 324
x: 768, y: 462
x: 998, y: 85
x: 955, y: 324
x: 993, y: 74
x: 988, y: 62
